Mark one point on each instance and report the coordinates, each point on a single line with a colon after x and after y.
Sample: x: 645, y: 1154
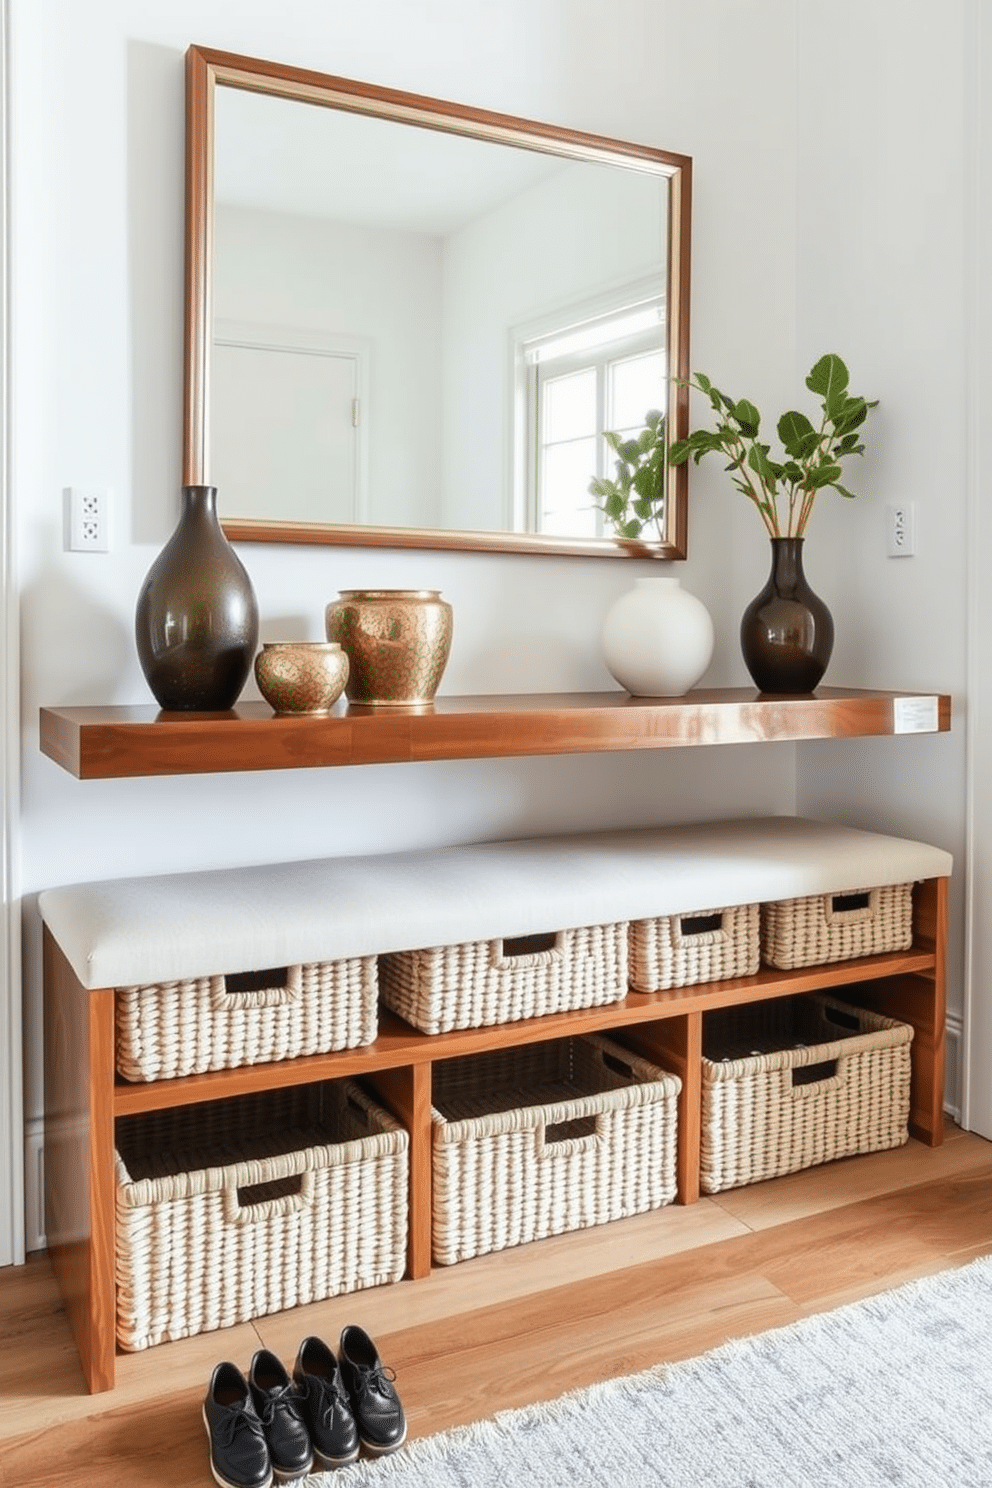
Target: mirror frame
x: 206, y: 69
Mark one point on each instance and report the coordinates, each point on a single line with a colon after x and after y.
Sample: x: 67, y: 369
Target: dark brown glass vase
x: 196, y: 622
x: 787, y: 632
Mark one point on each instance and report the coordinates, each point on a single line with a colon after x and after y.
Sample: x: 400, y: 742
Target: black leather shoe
x: 374, y: 1402
x: 280, y: 1410
x: 325, y: 1404
x: 239, y: 1457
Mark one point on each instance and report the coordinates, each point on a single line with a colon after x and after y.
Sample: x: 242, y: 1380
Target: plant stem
x: 766, y: 507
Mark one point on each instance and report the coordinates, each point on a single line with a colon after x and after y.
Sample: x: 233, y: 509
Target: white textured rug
x: 893, y: 1390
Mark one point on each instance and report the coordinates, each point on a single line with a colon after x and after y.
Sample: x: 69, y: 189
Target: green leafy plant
x: 785, y: 490
x: 637, y: 497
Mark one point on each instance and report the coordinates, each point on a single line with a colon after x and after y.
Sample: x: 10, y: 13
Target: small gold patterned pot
x: 301, y: 676
x: 397, y: 641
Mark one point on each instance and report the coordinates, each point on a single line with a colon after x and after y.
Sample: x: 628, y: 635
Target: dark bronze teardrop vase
x: 787, y: 632
x: 196, y: 622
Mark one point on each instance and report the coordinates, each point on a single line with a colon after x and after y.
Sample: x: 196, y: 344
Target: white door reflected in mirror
x: 286, y: 425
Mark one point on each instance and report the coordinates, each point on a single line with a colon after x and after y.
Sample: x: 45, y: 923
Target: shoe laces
x: 237, y: 1418
x: 280, y: 1395
x: 328, y: 1395
x: 374, y: 1379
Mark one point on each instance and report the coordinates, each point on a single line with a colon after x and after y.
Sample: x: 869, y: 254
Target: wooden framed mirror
x: 408, y: 321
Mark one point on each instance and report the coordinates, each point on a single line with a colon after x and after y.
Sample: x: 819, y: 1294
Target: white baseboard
x: 954, y: 1030
x: 34, y: 1185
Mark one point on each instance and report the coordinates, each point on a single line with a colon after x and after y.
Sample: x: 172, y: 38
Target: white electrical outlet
x: 900, y: 529
x: 87, y: 519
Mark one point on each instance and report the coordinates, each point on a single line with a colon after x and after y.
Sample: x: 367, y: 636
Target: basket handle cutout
x: 690, y: 925
x: 852, y: 907
x: 844, y: 903
x: 253, y: 1203
x: 813, y: 1074
x: 569, y: 1131
x: 265, y: 1193
x: 840, y: 1019
x: 530, y: 945
x: 274, y: 986
x: 616, y: 1065
x: 534, y: 950
x: 239, y: 982
x: 357, y: 1109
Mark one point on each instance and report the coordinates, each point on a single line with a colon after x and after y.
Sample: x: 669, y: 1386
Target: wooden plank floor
x: 509, y: 1329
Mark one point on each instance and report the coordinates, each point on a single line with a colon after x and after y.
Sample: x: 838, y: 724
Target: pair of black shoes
x: 271, y: 1427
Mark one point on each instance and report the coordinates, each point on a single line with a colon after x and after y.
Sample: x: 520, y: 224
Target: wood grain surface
x: 516, y: 1327
x: 108, y: 742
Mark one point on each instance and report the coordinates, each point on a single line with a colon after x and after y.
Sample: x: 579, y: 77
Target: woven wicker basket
x: 684, y: 950
x: 499, y: 981
x: 837, y: 927
x: 233, y: 1209
x: 216, y: 1022
x: 799, y: 1081
x: 546, y: 1138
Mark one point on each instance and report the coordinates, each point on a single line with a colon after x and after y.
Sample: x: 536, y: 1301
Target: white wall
x: 582, y: 231
x: 882, y: 211
x: 11, y: 1100
x: 96, y: 112
x: 977, y: 287
x: 294, y: 273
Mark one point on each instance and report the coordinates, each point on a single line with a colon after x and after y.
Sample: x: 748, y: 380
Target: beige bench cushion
x: 132, y: 931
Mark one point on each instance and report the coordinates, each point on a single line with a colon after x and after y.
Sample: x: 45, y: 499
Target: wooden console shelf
x: 95, y: 743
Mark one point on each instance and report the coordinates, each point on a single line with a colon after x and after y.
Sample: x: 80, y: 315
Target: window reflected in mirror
x: 589, y: 374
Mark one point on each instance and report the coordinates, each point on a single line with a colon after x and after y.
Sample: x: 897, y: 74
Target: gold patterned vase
x: 301, y: 676
x: 397, y: 643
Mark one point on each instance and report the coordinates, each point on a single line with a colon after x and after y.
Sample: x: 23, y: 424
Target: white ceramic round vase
x: 657, y: 639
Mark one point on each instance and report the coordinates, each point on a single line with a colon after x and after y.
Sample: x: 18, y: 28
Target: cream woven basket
x: 545, y: 1138
x: 798, y: 1081
x: 233, y: 1209
x: 684, y: 950
x: 484, y: 982
x: 837, y: 927
x: 169, y: 1029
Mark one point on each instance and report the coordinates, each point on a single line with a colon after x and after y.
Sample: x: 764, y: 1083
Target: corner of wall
x: 11, y: 1058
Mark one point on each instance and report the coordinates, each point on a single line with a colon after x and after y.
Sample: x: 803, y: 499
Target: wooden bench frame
x: 84, y: 1095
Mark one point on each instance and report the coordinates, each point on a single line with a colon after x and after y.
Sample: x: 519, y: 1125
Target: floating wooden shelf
x: 99, y: 743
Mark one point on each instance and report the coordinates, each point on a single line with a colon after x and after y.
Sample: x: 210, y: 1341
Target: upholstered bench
x: 130, y: 931
x: 127, y: 933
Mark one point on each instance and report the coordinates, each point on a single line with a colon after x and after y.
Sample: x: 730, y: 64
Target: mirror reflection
x: 417, y: 332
